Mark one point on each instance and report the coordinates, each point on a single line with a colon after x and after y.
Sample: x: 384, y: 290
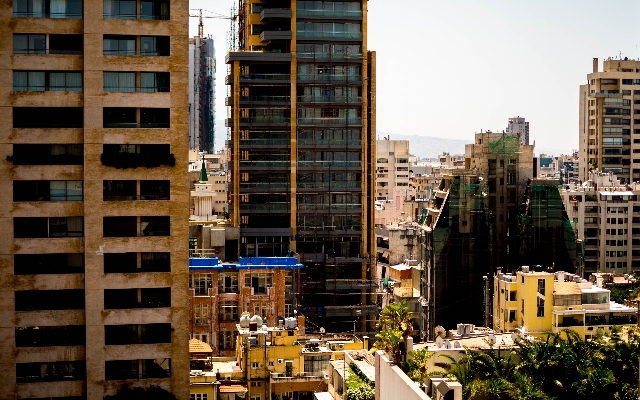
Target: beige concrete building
x: 609, y: 104
x: 392, y: 167
x: 93, y: 263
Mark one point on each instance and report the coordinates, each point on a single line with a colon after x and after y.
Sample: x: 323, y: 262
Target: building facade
x: 302, y: 148
x: 392, y: 167
x: 93, y: 261
x: 609, y: 106
x: 202, y: 94
x: 518, y: 126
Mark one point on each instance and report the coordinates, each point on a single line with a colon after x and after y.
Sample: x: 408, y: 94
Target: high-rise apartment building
x: 610, y: 120
x: 518, y: 126
x: 202, y: 94
x: 94, y: 154
x: 392, y: 167
x: 302, y: 149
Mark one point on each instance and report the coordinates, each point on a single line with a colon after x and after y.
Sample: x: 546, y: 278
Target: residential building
x: 302, y: 149
x: 609, y: 109
x: 202, y: 94
x: 605, y: 212
x: 518, y: 126
x: 392, y: 167
x: 536, y: 302
x: 273, y: 362
x: 94, y: 256
x: 221, y: 292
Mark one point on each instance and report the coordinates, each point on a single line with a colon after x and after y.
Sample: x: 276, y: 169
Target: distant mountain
x: 431, y: 147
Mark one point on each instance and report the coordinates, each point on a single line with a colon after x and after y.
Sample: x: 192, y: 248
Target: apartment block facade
x: 302, y: 149
x: 94, y: 257
x: 392, y: 167
x: 610, y: 120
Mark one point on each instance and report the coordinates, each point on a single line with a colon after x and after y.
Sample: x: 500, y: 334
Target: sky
x: 451, y: 68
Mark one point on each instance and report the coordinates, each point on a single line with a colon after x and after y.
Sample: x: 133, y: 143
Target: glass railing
x: 330, y: 13
x: 274, y: 99
x: 307, y: 207
x: 330, y: 99
x: 264, y: 185
x: 265, y: 164
x: 321, y: 34
x: 325, y: 56
x: 327, y: 120
x: 327, y: 142
x: 38, y: 14
x: 355, y: 228
x: 265, y: 206
x: 327, y: 185
x: 268, y: 77
x: 329, y: 163
x: 265, y: 120
x: 264, y: 142
x: 329, y: 78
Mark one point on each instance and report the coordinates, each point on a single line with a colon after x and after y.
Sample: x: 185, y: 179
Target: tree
x: 389, y: 341
x: 395, y: 323
x: 416, y: 366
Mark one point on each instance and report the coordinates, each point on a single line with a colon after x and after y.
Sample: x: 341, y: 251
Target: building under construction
x: 202, y: 86
x: 302, y: 149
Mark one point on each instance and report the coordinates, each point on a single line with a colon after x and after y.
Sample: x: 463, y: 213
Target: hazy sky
x: 451, y: 68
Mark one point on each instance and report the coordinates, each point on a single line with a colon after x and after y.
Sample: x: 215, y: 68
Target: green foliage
x: 416, y: 367
x: 396, y: 325
x: 138, y: 393
x: 364, y: 392
x: 358, y: 386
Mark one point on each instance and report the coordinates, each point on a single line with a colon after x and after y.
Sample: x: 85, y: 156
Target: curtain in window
x: 74, y: 81
x: 148, y: 82
x: 58, y: 8
x: 164, y: 10
x: 36, y: 81
x: 110, y: 81
x: 36, y: 8
x: 108, y: 8
x: 20, y: 81
x: 127, y: 81
x: 74, y: 226
x: 58, y: 190
x: 57, y: 82
x: 74, y: 190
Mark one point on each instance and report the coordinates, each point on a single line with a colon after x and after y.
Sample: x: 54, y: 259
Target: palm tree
x: 396, y: 316
x: 463, y: 371
x: 389, y: 341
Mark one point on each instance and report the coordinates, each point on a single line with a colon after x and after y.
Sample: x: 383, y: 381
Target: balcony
x: 348, y: 79
x: 270, y: 36
x: 329, y: 99
x: 326, y: 56
x: 261, y: 78
x: 249, y: 122
x: 275, y: 13
x: 606, y: 94
x: 260, y: 100
x: 330, y: 163
x: 346, y: 14
x: 265, y: 207
x: 329, y: 121
x: 329, y: 35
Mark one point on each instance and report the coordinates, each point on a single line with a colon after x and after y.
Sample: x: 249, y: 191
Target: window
x: 128, y: 262
x: 53, y: 81
x: 228, y: 311
x: 154, y: 226
x: 37, y: 44
x: 201, y: 283
x: 127, y: 117
x: 259, y: 282
x: 47, y: 117
x: 118, y: 190
x: 47, y: 227
x: 118, y: 81
x: 198, y: 396
x: 541, y: 286
x: 255, y: 365
x: 201, y: 312
x: 134, y: 334
x: 120, y: 9
x: 316, y: 364
x: 154, y: 45
x: 42, y: 336
x: 61, y: 263
x: 50, y: 371
x: 154, y: 81
x: 158, y: 9
x: 260, y: 308
x: 47, y: 154
x: 227, y: 340
x: 540, y: 307
x: 47, y: 190
x: 35, y: 300
x: 120, y: 227
x: 512, y: 315
x: 47, y: 8
x: 128, y: 298
x: 133, y: 156
x: 228, y: 282
x: 29, y: 44
x: 119, y: 45
x: 121, y: 369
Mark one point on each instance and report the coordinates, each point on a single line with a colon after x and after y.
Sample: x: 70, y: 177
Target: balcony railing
x: 265, y: 120
x: 329, y: 120
x: 265, y: 77
x: 328, y: 185
x: 265, y: 207
x: 320, y: 34
x: 329, y: 163
x: 329, y: 13
x: 264, y: 142
x: 264, y: 163
x: 268, y: 99
x: 330, y: 99
x: 326, y: 56
x: 264, y: 185
x: 350, y: 206
x: 330, y: 142
x: 329, y: 78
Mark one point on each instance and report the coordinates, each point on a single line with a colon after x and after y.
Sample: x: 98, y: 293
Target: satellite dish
x: 440, y: 331
x: 457, y: 345
x: 492, y: 339
x: 447, y: 344
x: 439, y: 342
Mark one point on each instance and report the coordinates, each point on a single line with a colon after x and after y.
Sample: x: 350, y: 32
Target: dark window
x: 29, y: 43
x: 156, y: 368
x: 62, y: 263
x: 156, y: 261
x: 47, y: 154
x: 154, y: 117
x: 66, y: 299
x: 154, y: 226
x: 121, y: 369
x: 54, y: 81
x: 158, y: 9
x: 119, y: 45
x: 120, y: 227
x: 43, y: 227
x: 154, y: 190
x: 133, y: 156
x: 128, y: 262
x: 65, y: 44
x: 47, y: 190
x: 154, y: 81
x: 50, y: 371
x: 134, y: 334
x: 47, y: 8
x: 154, y: 45
x: 119, y: 117
x: 118, y: 190
x: 120, y: 9
x: 128, y: 298
x: 40, y: 336
x: 47, y: 117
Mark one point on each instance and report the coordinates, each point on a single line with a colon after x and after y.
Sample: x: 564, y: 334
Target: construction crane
x: 215, y: 15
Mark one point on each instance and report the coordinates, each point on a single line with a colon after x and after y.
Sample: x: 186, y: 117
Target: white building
x: 392, y: 167
x: 519, y: 126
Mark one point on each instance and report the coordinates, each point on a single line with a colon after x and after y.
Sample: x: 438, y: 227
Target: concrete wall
x: 392, y: 383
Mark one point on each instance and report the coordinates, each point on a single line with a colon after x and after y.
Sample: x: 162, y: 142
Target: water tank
x: 257, y: 319
x: 290, y: 323
x: 244, y: 320
x: 525, y: 269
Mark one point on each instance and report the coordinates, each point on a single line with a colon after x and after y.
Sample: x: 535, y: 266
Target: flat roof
x: 566, y: 288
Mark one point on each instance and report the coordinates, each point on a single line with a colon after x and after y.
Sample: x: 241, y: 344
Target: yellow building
x: 272, y: 361
x: 536, y: 303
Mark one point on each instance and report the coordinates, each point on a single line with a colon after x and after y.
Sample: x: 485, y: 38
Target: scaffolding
x: 507, y: 145
x: 547, y: 235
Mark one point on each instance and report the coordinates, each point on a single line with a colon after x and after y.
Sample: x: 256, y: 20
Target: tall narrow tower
x: 302, y: 150
x: 93, y: 156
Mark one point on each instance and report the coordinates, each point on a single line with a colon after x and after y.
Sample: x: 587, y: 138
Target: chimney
x: 595, y: 65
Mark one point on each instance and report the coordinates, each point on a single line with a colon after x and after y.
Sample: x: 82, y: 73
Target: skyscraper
x: 94, y: 155
x: 302, y: 150
x: 518, y: 126
x: 202, y: 94
x: 607, y: 103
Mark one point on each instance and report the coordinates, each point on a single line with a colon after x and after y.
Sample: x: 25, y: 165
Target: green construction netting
x: 507, y: 145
